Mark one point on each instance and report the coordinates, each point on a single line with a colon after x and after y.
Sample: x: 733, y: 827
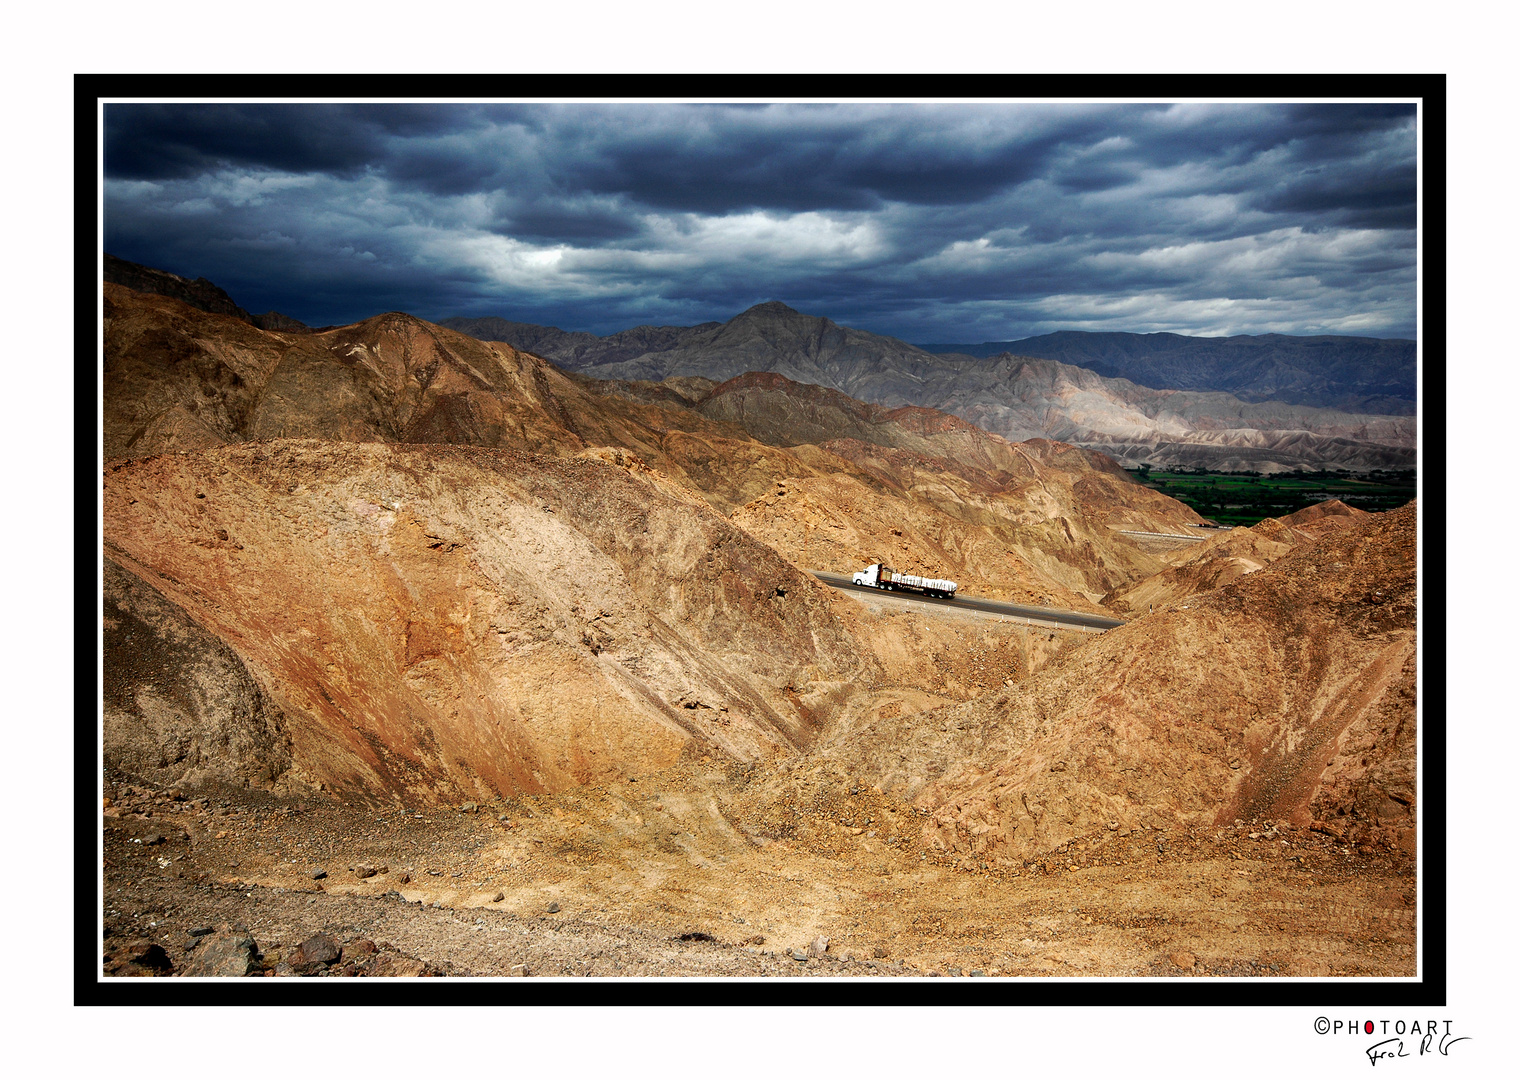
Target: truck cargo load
x: 880, y: 576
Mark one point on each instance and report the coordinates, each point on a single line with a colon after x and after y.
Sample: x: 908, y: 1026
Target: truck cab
x: 873, y: 575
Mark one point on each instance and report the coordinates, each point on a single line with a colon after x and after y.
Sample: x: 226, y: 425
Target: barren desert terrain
x: 426, y: 658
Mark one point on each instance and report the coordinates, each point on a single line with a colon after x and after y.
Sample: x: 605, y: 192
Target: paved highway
x: 995, y: 607
x: 1165, y: 536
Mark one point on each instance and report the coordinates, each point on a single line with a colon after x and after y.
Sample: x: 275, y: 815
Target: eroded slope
x: 1287, y: 694
x: 1230, y: 555
x: 447, y: 622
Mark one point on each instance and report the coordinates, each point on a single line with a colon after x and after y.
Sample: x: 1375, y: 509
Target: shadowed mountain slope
x: 1015, y: 396
x: 199, y: 293
x: 1354, y: 374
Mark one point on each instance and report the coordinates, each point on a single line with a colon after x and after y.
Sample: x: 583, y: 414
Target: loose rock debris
x: 820, y: 900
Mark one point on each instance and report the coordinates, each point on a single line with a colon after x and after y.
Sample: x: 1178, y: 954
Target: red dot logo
x: 1369, y: 1027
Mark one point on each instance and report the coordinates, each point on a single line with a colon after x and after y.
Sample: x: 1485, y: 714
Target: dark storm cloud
x: 819, y: 159
x: 696, y: 158
x: 576, y: 221
x: 943, y: 222
x: 162, y: 141
x: 1371, y: 200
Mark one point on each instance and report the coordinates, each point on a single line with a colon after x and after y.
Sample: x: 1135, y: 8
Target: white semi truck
x: 880, y: 576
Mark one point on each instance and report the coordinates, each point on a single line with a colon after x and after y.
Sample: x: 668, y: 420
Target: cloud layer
x: 954, y: 223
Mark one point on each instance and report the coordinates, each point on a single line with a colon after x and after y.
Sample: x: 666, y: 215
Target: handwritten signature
x: 1394, y: 1048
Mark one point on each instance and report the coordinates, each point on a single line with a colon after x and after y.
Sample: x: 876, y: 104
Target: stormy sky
x: 928, y: 222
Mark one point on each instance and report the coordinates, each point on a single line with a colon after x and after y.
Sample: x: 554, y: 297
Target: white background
x: 1471, y: 44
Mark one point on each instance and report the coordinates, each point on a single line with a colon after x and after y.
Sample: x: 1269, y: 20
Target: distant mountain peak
x: 771, y: 307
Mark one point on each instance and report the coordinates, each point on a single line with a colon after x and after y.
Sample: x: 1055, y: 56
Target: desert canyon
x: 426, y: 654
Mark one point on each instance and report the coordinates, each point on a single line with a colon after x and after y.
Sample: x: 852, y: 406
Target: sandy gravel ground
x: 704, y: 872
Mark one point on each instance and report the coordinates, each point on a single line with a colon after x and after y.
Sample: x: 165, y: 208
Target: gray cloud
x: 931, y: 223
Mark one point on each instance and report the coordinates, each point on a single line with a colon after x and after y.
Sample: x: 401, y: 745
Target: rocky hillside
x: 1227, y: 556
x: 930, y: 493
x: 180, y: 705
x: 430, y: 622
x: 1314, y: 521
x: 1288, y: 694
x: 383, y: 550
x: 179, y: 379
x: 451, y: 622
x: 925, y: 488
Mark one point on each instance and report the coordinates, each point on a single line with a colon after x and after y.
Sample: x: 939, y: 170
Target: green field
x: 1246, y: 498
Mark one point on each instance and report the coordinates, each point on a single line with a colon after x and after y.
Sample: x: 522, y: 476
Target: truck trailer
x: 881, y: 576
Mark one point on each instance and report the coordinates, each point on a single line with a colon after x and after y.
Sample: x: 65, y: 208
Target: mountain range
x: 1354, y: 374
x: 827, y: 479
x: 1251, y: 404
x: 401, y: 545
x: 1014, y: 396
x: 508, y: 641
